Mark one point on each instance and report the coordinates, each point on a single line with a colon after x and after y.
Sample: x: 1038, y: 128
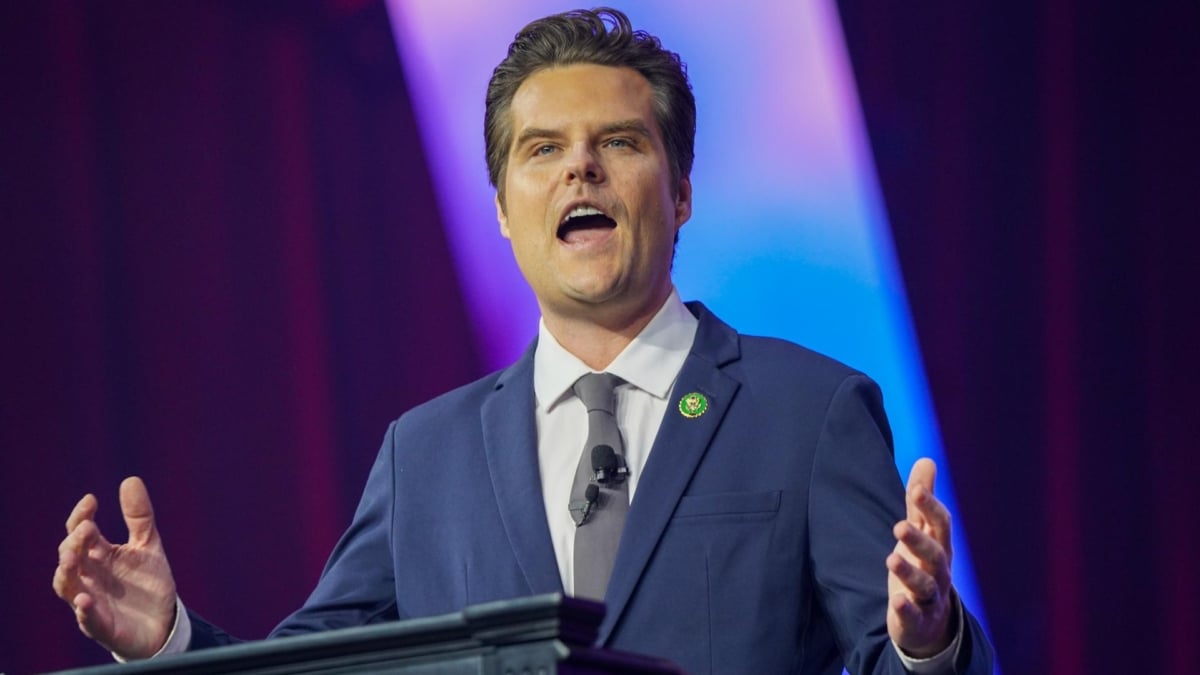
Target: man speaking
x: 733, y: 500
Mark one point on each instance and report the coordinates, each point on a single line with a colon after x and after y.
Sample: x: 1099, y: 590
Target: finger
x: 83, y: 546
x: 926, y: 550
x: 922, y: 476
x: 85, y: 614
x: 75, y: 555
x: 91, y: 539
x: 937, y: 517
x: 72, y: 545
x: 85, y: 509
x: 922, y: 550
x: 68, y: 548
x: 908, y: 611
x: 66, y: 583
x: 137, y: 510
x: 920, y: 587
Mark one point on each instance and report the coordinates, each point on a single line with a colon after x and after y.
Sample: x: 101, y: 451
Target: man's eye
x: 543, y: 150
x: 619, y: 143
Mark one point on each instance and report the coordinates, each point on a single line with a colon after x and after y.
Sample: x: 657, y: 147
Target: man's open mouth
x: 584, y: 223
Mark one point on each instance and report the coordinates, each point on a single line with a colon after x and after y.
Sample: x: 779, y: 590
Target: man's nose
x: 583, y: 165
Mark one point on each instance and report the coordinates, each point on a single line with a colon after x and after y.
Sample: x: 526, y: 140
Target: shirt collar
x: 650, y: 362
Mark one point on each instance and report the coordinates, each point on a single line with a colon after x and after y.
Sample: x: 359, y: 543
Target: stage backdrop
x: 222, y: 269
x: 1039, y: 164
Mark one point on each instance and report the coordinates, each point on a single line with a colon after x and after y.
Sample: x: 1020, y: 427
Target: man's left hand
x: 919, y: 589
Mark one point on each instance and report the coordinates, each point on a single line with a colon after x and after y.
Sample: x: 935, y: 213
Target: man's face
x: 589, y: 203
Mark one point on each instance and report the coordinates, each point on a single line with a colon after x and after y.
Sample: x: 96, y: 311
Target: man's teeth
x: 579, y: 211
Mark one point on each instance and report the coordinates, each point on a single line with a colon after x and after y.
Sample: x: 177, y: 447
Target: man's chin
x: 608, y: 305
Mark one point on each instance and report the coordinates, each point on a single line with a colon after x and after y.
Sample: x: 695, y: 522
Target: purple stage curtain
x: 1039, y: 166
x: 222, y: 269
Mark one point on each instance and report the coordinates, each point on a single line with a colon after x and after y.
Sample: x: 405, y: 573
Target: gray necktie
x: 598, y: 520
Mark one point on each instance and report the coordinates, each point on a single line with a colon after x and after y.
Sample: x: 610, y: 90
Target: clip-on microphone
x: 580, y: 510
x: 607, y: 466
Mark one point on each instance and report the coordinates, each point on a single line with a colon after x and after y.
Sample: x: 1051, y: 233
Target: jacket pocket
x: 728, y: 504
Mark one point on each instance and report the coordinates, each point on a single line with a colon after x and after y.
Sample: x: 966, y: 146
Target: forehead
x: 563, y: 97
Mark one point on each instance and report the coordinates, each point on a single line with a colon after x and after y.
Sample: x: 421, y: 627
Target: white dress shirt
x: 649, y: 366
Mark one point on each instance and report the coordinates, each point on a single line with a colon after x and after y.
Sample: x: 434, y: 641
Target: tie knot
x: 596, y: 391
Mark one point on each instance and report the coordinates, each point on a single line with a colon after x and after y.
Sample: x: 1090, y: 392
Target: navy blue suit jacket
x: 755, y: 541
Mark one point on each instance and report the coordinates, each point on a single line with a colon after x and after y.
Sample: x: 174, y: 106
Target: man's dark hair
x: 601, y: 36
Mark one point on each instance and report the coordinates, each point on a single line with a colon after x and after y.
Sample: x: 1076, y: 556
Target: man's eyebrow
x: 535, y: 132
x: 633, y: 125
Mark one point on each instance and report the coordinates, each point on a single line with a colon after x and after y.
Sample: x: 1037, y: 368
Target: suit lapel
x: 510, y: 443
x: 678, y: 448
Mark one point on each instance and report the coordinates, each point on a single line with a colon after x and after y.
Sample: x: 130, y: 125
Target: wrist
x: 160, y: 646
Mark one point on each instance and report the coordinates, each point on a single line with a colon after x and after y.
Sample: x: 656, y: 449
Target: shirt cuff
x: 179, y: 638
x: 942, y: 662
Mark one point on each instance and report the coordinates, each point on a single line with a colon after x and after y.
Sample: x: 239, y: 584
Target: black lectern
x: 538, y: 635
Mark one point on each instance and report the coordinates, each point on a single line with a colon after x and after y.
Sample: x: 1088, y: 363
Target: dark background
x: 1039, y: 165
x: 223, y: 269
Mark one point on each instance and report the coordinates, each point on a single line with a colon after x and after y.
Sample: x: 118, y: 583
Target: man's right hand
x: 123, y: 595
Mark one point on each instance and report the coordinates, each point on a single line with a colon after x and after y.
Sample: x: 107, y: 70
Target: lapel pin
x: 693, y: 405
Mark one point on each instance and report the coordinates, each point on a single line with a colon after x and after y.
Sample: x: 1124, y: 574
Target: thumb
x: 923, y: 474
x: 138, y: 512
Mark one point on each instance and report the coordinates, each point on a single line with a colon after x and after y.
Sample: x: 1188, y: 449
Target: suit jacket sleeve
x: 855, y: 499
x: 357, y: 586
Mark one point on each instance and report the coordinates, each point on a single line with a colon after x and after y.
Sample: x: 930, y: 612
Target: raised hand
x: 123, y: 595
x: 920, y: 613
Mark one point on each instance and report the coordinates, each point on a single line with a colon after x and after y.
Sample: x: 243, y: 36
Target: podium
x: 537, y: 635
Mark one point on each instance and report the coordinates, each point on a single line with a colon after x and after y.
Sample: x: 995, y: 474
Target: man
x: 733, y: 500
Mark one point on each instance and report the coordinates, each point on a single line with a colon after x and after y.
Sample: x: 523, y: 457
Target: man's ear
x: 683, y: 202
x: 502, y: 218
